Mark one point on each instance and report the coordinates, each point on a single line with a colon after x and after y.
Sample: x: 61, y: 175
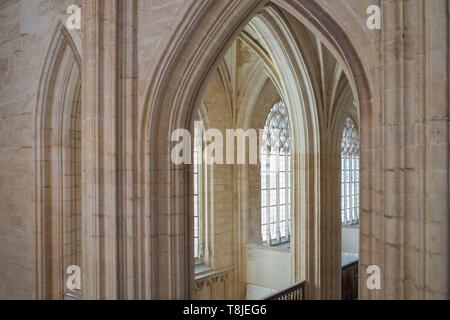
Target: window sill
x: 201, y: 269
x: 279, y: 247
x: 205, y: 272
x: 347, y: 258
x: 351, y: 226
x: 285, y: 245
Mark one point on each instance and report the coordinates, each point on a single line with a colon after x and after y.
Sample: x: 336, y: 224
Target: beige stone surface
x: 142, y: 68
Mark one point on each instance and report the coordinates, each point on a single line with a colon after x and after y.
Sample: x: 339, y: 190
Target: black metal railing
x: 350, y: 281
x: 72, y: 295
x: 296, y: 292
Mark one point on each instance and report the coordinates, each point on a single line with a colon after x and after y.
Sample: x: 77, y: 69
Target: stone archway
x: 138, y: 90
x: 175, y: 92
x: 58, y: 166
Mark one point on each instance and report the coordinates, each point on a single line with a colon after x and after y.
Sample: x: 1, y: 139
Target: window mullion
x: 277, y: 168
x: 203, y: 212
x: 286, y: 195
x: 277, y: 138
x: 353, y: 190
x: 345, y: 188
x: 350, y: 174
x: 350, y: 188
x: 342, y: 189
x: 268, y: 189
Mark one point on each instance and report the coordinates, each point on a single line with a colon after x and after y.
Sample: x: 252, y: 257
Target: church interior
x: 224, y: 150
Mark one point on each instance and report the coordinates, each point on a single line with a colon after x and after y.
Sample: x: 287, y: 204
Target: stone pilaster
x: 100, y: 212
x: 411, y: 227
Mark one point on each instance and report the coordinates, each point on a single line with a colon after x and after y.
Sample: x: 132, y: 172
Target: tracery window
x: 197, y: 154
x: 201, y: 188
x: 276, y: 177
x: 197, y: 203
x: 350, y: 174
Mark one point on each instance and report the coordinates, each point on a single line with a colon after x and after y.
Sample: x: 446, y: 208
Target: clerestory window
x: 350, y: 174
x: 276, y: 177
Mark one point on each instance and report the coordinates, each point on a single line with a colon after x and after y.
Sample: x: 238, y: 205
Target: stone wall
x: 26, y: 29
x: 144, y: 65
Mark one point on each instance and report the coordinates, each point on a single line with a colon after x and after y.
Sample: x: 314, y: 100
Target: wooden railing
x: 296, y: 292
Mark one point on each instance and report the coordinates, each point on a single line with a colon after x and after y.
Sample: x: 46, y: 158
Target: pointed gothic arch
x: 176, y: 89
x: 58, y: 165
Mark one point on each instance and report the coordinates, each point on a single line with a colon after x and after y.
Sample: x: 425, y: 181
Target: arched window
x: 197, y: 203
x: 350, y: 174
x: 201, y: 196
x: 275, y: 177
x: 197, y: 194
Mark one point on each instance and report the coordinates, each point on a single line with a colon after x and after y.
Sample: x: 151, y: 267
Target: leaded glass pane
x: 350, y: 174
x: 275, y: 175
x: 197, y: 195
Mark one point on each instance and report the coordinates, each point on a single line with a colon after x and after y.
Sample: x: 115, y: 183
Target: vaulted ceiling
x: 250, y: 60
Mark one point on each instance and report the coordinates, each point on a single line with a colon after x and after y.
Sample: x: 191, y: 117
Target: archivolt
x: 56, y: 107
x: 192, y: 54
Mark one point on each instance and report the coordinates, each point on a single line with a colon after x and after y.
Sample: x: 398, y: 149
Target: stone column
x: 410, y: 230
x: 127, y: 132
x: 109, y: 150
x: 330, y: 216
